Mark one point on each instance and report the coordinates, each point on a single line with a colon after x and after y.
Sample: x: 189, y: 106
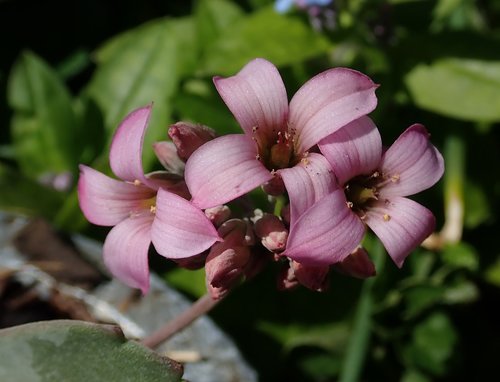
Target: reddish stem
x: 203, y: 305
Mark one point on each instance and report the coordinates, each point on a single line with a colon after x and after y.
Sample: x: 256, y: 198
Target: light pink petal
x: 353, y: 150
x: 125, y: 155
x: 329, y: 101
x: 401, y: 224
x: 107, y: 201
x: 223, y: 169
x: 307, y: 182
x: 180, y: 229
x: 412, y: 163
x: 326, y: 233
x: 126, y: 248
x: 256, y: 96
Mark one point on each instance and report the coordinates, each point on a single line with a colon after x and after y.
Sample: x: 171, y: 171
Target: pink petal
x: 326, y: 233
x: 125, y: 155
x: 412, y: 162
x: 401, y: 224
x: 126, y: 251
x: 308, y: 182
x: 107, y: 201
x: 223, y: 169
x: 329, y: 101
x: 180, y: 229
x: 257, y: 97
x: 353, y: 150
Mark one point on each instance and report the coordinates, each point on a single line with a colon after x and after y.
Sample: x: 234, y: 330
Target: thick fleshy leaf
x: 326, y: 233
x: 308, y: 182
x: 401, y: 224
x: 107, y: 201
x: 353, y: 150
x: 126, y: 248
x: 329, y: 101
x: 412, y: 162
x: 78, y: 351
x: 257, y: 98
x: 125, y: 154
x: 223, y: 169
x: 180, y: 229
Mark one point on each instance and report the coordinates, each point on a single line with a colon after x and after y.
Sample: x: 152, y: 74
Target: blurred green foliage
x: 438, y: 63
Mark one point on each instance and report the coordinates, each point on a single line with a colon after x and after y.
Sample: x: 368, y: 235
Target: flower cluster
x: 319, y: 158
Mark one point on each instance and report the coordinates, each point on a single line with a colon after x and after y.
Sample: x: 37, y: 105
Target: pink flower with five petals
x: 374, y: 189
x: 142, y: 208
x: 277, y: 135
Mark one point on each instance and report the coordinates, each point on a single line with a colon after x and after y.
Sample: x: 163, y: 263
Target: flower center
x: 362, y: 190
x: 277, y: 153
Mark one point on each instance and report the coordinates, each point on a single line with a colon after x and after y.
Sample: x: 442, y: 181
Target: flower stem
x: 203, y: 305
x: 358, y: 343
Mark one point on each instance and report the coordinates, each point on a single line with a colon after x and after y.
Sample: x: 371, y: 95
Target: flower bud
x: 187, y: 137
x: 166, y: 152
x: 218, y: 215
x: 171, y: 182
x: 357, y: 264
x: 272, y: 232
x: 315, y: 278
x: 227, y: 260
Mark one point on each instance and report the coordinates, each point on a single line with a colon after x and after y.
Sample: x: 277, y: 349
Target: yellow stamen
x: 387, y: 217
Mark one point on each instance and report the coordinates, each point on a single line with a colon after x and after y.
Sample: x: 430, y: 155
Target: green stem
x: 358, y: 343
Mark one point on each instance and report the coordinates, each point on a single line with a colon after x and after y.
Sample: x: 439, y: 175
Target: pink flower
x: 375, y: 185
x: 276, y: 135
x: 142, y: 208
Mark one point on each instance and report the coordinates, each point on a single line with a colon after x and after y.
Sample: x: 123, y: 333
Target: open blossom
x: 277, y: 135
x: 142, y: 208
x: 374, y: 185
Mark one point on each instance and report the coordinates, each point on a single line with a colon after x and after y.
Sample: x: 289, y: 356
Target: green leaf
x: 141, y: 69
x: 283, y: 40
x: 461, y: 292
x: 433, y: 344
x: 22, y: 195
x: 477, y: 205
x: 461, y: 255
x: 45, y: 129
x: 461, y: 88
x: 331, y: 337
x: 192, y: 282
x: 420, y: 298
x: 79, y: 351
x: 492, y: 273
x: 414, y: 376
x: 213, y: 18
x: 199, y: 102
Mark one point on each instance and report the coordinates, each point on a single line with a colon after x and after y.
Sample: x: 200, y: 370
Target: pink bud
x: 227, y: 260
x: 218, y: 215
x: 166, y: 152
x: 315, y: 278
x: 187, y: 137
x: 357, y: 264
x: 272, y: 232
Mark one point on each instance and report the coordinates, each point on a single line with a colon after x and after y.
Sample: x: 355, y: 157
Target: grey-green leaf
x: 461, y: 88
x: 44, y: 127
x: 77, y: 351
